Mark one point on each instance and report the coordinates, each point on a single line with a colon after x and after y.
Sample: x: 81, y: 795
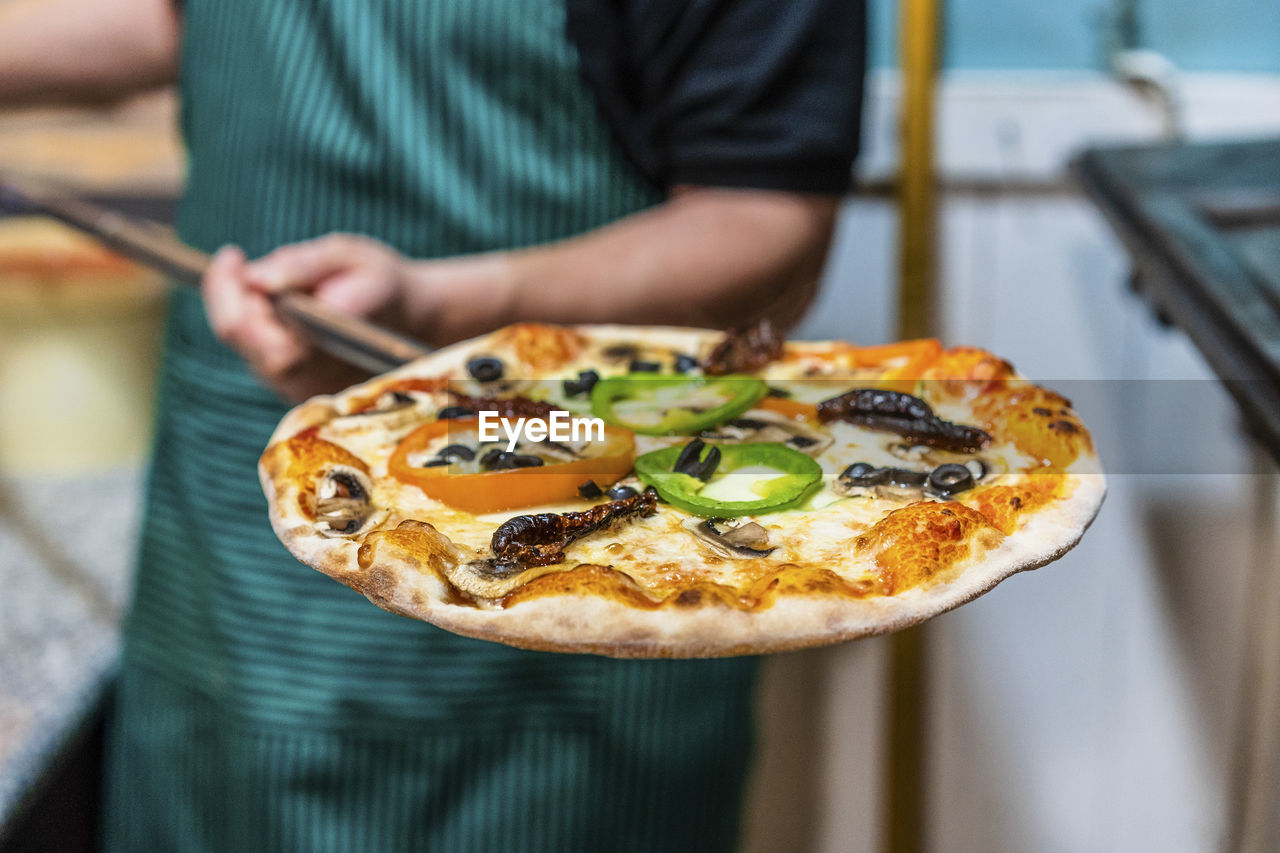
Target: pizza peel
x: 344, y: 336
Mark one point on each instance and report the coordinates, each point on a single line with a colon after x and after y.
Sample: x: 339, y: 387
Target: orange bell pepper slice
x: 491, y: 491
x: 917, y: 353
x: 793, y: 409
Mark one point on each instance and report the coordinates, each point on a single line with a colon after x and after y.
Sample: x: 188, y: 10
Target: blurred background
x: 1121, y: 699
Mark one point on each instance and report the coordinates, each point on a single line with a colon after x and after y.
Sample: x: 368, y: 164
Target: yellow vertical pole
x: 917, y: 246
x: 906, y: 697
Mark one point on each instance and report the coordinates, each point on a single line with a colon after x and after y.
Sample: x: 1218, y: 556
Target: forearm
x: 707, y: 257
x: 72, y: 51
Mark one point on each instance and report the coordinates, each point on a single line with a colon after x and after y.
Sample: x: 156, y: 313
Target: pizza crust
x: 410, y: 580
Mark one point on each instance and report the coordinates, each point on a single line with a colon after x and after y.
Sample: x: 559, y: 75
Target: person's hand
x: 353, y: 274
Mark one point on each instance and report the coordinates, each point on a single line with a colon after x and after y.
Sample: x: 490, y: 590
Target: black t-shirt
x: 765, y: 94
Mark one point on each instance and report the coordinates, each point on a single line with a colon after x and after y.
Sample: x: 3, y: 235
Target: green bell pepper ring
x: 797, y: 474
x: 674, y: 405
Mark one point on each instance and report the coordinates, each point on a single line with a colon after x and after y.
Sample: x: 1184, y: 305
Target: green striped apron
x: 264, y: 707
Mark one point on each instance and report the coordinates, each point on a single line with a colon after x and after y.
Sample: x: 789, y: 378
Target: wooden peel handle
x: 352, y: 339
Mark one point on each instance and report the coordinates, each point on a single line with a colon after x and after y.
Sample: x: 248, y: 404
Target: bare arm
x: 73, y: 51
x: 706, y: 257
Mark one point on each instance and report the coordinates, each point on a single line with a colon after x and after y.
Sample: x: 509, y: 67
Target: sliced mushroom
x: 760, y: 425
x: 745, y: 540
x: 487, y: 579
x: 980, y: 466
x: 343, y: 505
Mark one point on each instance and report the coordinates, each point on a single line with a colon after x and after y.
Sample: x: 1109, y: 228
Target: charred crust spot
x: 1043, y: 412
x: 541, y: 346
x: 689, y: 598
x: 1065, y: 427
x: 913, y: 544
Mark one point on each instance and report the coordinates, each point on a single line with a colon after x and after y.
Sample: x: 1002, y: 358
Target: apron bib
x: 261, y: 706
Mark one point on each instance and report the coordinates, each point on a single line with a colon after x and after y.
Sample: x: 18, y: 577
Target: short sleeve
x: 742, y: 93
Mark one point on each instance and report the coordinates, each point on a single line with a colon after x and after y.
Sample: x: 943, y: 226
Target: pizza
x: 672, y: 492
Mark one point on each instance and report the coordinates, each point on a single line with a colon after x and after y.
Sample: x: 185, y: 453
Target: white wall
x: 1097, y: 704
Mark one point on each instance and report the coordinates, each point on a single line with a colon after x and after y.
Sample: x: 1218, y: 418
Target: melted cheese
x: 657, y: 551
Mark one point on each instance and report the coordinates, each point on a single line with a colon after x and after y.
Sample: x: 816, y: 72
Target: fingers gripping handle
x: 344, y: 336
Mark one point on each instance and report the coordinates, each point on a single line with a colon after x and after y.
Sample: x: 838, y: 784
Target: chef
x: 443, y: 167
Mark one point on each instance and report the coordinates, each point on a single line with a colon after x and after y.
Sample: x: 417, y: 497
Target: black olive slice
x: 778, y: 392
x: 590, y: 490
x: 620, y: 352
x: 456, y: 453
x: 586, y: 380
x: 438, y: 463
x: 861, y: 474
x: 950, y: 479
x: 449, y: 413
x: 689, y: 461
x: 621, y: 493
x: 865, y: 475
x: 503, y: 460
x: 905, y: 478
x: 644, y: 367
x: 747, y: 423
x: 485, y: 368
x: 801, y: 441
x: 684, y: 363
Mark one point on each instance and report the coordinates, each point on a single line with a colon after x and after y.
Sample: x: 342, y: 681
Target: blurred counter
x: 66, y: 547
x: 79, y: 336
